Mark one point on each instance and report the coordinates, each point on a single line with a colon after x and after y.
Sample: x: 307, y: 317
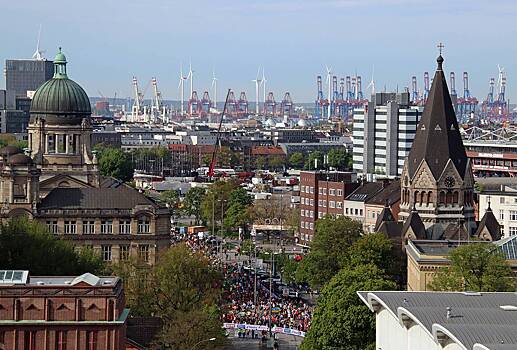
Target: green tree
x: 171, y: 198
x: 27, y: 245
x: 237, y: 216
x: 339, y: 159
x: 114, y: 162
x: 315, y: 161
x: 378, y: 250
x: 192, y: 202
x: 289, y: 270
x: 478, y: 267
x: 240, y: 195
x: 183, y: 289
x: 276, y: 162
x: 328, y: 252
x: 260, y: 162
x: 296, y: 160
x: 216, y: 201
x: 341, y: 320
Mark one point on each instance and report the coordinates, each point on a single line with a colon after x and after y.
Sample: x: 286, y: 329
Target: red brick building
x: 268, y: 155
x: 61, y: 313
x: 322, y: 193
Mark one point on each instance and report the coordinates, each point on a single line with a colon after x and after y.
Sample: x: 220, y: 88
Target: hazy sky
x: 107, y: 42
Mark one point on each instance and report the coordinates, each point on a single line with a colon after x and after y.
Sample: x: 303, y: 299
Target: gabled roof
x: 365, y: 192
x: 385, y: 216
x: 437, y: 138
x: 415, y: 224
x: 489, y: 224
x: 94, y: 198
x: 88, y: 278
x: 390, y: 193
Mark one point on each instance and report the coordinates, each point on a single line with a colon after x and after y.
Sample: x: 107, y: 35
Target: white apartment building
x: 503, y: 202
x: 383, y: 134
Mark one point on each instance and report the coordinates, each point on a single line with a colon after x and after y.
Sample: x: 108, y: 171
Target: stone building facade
x: 58, y: 182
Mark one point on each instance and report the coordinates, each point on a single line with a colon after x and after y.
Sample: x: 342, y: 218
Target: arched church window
x: 448, y: 197
x: 429, y: 197
x: 455, y: 197
x: 442, y: 197
x: 415, y: 199
x: 423, y: 197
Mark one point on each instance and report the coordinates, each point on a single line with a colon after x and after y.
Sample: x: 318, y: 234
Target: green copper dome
x: 60, y: 100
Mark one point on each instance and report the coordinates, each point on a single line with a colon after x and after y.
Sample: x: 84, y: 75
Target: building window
x: 51, y: 144
x: 88, y: 227
x: 512, y: 230
x: 324, y: 203
x: 356, y: 212
x: 360, y: 212
x: 107, y: 227
x: 302, y: 224
x: 346, y: 211
x: 29, y: 340
x: 501, y: 214
x: 52, y: 227
x: 332, y: 192
x: 91, y: 340
x: 125, y: 227
x: 339, y: 192
x: 61, y: 340
x: 312, y: 189
x: 320, y: 215
x: 106, y: 252
x: 311, y: 213
x: 324, y: 190
x: 70, y: 228
x: 124, y: 252
x: 513, y: 215
x: 144, y: 225
x: 143, y: 252
x: 332, y: 204
x: 61, y: 143
x: 302, y: 213
x: 339, y: 205
x: 501, y: 200
x: 312, y: 202
x: 311, y: 225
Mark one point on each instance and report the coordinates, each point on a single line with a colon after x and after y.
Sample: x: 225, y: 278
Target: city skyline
x: 107, y: 44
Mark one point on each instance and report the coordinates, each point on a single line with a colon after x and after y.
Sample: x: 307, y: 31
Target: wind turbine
x: 214, y: 86
x: 38, y: 55
x: 191, y: 77
x: 181, y: 86
x: 329, y: 82
x: 372, y: 83
x: 257, y: 82
x: 264, y: 81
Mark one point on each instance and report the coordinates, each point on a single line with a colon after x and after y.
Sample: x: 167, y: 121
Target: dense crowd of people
x: 240, y: 307
x: 239, y: 292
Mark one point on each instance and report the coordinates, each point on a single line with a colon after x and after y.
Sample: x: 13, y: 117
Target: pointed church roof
x: 490, y: 224
x: 385, y: 216
x: 414, y: 222
x: 438, y: 138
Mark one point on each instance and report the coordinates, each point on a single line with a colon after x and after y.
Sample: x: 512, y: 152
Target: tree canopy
x: 297, y: 160
x: 341, y: 320
x: 183, y: 289
x: 27, y: 245
x: 114, y: 162
x: 478, y: 267
x: 171, y: 198
x: 339, y: 159
x: 192, y: 202
x: 333, y: 236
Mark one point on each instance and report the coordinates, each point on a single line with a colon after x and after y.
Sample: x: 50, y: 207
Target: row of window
x: 70, y: 227
x: 354, y: 211
x: 29, y: 340
x: 62, y: 144
x: 124, y: 252
x: 332, y: 191
x: 306, y: 213
x: 307, y: 225
x: 307, y: 189
x: 307, y: 201
x: 332, y: 204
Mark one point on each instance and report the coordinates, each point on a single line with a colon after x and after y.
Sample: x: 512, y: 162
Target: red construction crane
x: 211, y: 168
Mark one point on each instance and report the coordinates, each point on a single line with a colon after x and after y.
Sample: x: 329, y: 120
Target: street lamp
x: 202, y: 341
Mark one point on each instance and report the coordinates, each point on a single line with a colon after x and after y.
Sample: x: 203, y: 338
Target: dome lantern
x: 60, y: 66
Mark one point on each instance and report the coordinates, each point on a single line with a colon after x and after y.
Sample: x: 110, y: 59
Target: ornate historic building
x: 58, y: 181
x: 437, y: 182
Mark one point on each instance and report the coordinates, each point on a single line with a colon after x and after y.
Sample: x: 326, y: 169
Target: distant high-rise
x: 383, y: 134
x: 24, y: 75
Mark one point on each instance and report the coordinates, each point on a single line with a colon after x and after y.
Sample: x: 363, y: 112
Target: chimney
x: 449, y: 312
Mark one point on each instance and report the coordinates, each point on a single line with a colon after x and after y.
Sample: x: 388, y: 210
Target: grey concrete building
x: 383, y: 134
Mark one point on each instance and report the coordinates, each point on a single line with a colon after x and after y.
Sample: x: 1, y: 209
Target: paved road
x: 285, y: 342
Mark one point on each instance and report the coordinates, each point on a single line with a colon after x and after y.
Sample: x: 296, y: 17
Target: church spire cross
x: 440, y: 46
